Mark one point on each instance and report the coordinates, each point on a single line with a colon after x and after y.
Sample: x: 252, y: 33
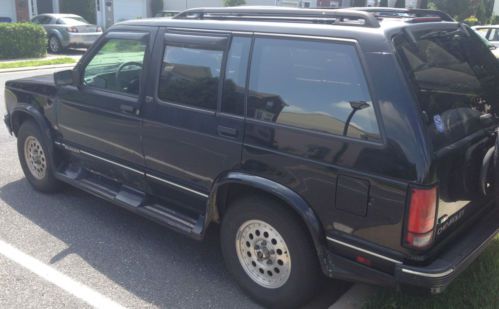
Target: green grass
x: 36, y: 63
x: 477, y: 287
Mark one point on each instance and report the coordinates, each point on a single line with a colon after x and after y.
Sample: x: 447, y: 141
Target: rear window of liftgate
x: 456, y: 78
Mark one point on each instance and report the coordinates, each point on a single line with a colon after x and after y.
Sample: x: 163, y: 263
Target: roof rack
x: 281, y: 14
x: 381, y: 12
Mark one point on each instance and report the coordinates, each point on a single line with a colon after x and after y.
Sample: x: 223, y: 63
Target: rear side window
x: 483, y: 32
x: 190, y: 76
x: 311, y: 85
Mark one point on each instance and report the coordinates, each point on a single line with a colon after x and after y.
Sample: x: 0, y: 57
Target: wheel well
x: 17, y: 120
x: 227, y: 193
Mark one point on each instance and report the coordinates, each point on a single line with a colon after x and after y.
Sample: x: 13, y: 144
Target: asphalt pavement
x: 82, y: 243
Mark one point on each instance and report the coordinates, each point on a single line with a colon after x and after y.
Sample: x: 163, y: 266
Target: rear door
x: 193, y: 123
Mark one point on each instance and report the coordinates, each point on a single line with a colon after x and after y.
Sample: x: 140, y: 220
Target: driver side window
x: 117, y: 66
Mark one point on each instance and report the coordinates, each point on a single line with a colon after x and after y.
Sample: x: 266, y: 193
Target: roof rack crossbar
x: 345, y: 17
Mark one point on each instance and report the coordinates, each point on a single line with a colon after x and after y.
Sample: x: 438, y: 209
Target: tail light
x: 99, y: 29
x: 72, y: 29
x: 421, y: 218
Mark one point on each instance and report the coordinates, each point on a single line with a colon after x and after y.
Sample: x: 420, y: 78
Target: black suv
x: 352, y: 143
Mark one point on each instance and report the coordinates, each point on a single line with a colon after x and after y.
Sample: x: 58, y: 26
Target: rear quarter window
x: 312, y: 85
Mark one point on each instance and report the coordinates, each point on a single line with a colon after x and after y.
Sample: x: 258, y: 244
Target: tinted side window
x: 494, y: 35
x: 235, y: 76
x: 117, y: 66
x: 312, y: 85
x: 190, y: 76
x: 45, y: 20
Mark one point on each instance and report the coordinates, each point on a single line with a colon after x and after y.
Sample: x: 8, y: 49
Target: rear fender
x: 290, y: 198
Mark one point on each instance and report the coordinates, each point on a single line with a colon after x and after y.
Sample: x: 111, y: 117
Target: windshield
x: 456, y: 78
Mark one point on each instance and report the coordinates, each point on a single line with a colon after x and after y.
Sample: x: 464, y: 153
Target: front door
x: 193, y: 126
x: 101, y: 116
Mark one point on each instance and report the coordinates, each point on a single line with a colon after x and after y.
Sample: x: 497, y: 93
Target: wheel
x: 55, y: 45
x: 34, y: 157
x: 269, y: 252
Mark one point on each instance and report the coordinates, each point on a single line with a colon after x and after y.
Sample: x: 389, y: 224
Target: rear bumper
x: 433, y: 277
x: 81, y: 39
x: 442, y: 271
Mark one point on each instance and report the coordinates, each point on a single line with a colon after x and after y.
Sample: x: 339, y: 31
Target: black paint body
x: 350, y: 190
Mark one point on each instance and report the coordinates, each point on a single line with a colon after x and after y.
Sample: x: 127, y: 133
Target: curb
x: 42, y: 67
x: 355, y: 297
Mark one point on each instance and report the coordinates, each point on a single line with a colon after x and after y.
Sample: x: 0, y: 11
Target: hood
x: 43, y: 84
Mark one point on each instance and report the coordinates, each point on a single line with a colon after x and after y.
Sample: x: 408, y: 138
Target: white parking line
x: 75, y: 288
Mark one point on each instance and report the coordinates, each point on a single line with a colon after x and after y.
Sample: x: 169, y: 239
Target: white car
x: 491, y: 34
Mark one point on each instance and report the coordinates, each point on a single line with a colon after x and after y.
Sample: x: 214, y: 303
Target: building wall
x: 179, y: 5
x: 496, y: 8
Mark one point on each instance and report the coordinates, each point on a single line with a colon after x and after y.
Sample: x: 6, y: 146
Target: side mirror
x: 64, y: 78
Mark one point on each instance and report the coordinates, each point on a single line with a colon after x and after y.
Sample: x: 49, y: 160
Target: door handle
x: 128, y: 109
x: 227, y: 131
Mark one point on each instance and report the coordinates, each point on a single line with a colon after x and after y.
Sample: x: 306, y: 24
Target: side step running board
x: 139, y: 202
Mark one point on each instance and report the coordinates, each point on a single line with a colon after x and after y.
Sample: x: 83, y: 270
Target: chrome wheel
x: 54, y: 44
x: 263, y: 254
x: 35, y: 157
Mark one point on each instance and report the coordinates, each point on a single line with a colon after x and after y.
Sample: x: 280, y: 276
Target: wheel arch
x: 56, y: 33
x: 26, y: 112
x: 59, y: 35
x: 234, y: 182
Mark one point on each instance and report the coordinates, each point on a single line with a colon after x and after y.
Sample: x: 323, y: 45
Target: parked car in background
x: 67, y: 30
x: 490, y: 32
x: 167, y: 14
x: 491, y: 35
x: 5, y: 19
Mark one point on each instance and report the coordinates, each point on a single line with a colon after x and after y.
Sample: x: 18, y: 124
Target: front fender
x: 290, y: 198
x: 23, y: 111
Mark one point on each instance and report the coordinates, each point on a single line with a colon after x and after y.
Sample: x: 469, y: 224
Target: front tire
x: 269, y: 252
x: 35, y: 158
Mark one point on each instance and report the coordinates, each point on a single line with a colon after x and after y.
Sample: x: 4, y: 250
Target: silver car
x: 67, y: 30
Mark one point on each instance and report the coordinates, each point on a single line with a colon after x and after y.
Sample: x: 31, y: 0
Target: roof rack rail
x: 404, y: 13
x: 280, y: 14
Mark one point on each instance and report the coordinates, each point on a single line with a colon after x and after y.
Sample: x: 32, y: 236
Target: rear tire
x: 55, y: 45
x: 269, y: 252
x: 35, y: 159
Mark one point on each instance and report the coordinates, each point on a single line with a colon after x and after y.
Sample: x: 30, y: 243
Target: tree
x: 84, y: 8
x: 423, y: 4
x: 234, y: 2
x: 462, y: 9
x: 156, y: 6
x: 383, y: 3
x: 359, y: 3
x: 484, y: 11
x: 400, y: 4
